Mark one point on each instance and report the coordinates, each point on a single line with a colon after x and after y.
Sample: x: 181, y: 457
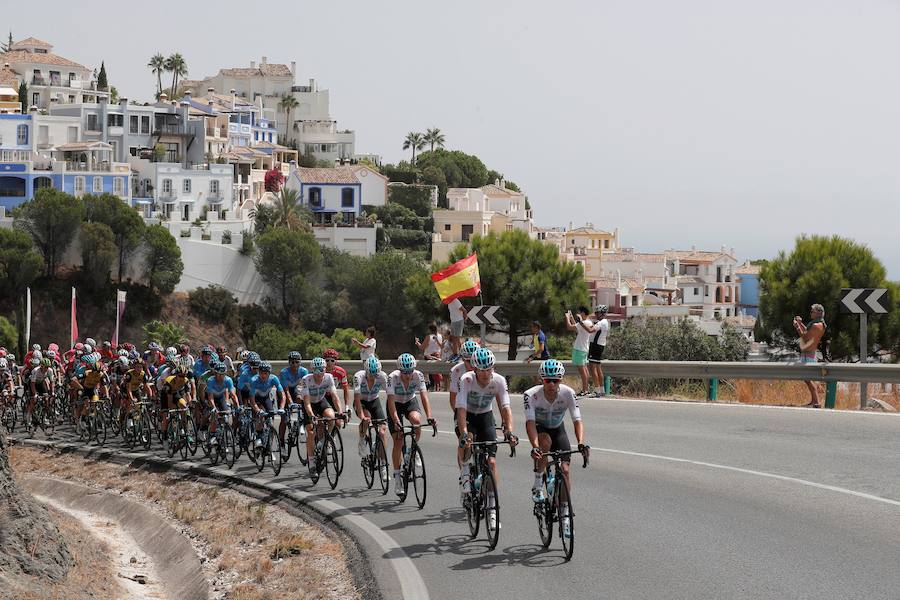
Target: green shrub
x: 560, y: 346
x: 9, y: 337
x: 407, y: 239
x: 213, y: 303
x: 167, y: 334
x: 274, y: 342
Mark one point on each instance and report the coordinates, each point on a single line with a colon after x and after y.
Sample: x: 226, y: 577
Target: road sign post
x: 482, y: 315
x: 863, y: 301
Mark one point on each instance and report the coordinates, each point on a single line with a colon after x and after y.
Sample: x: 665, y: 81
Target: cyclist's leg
x: 482, y: 428
x: 397, y: 436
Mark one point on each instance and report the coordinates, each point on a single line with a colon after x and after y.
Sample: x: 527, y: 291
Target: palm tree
x: 415, y: 141
x: 434, y: 137
x: 291, y: 212
x: 178, y: 66
x: 157, y: 65
x: 288, y: 104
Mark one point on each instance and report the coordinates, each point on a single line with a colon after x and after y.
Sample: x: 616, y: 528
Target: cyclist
x: 478, y: 390
x: 545, y: 409
x: 134, y: 379
x: 41, y: 382
x: 468, y: 348
x: 35, y: 349
x: 317, y: 388
x: 261, y: 387
x: 368, y: 383
x: 222, y: 353
x: 6, y: 376
x: 291, y: 379
x: 339, y: 374
x: 177, y: 386
x: 404, y: 385
x: 220, y: 393
x: 89, y: 379
x: 107, y: 354
x: 249, y: 370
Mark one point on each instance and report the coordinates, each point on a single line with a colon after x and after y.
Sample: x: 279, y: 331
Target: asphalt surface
x: 681, y: 500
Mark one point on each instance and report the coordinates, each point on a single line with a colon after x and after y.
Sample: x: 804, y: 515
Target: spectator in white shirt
x: 367, y: 347
x: 431, y: 350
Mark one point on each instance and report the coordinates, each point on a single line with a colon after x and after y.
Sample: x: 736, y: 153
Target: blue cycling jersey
x: 289, y: 379
x: 261, y: 389
x: 217, y: 389
x: 244, y: 379
x: 201, y: 367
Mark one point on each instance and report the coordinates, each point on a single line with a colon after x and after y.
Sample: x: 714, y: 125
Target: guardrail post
x: 607, y: 385
x: 830, y: 394
x: 712, y: 391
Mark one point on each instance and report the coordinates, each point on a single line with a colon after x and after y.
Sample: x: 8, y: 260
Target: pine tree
x: 23, y: 96
x: 101, y: 78
x: 8, y: 45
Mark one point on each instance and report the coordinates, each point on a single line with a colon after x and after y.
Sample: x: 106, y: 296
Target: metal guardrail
x: 829, y: 372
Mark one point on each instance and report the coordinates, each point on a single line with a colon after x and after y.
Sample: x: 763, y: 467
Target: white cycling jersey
x: 38, y: 375
x: 318, y: 392
x: 456, y: 374
x: 361, y: 385
x: 477, y: 399
x: 550, y: 414
x: 403, y: 393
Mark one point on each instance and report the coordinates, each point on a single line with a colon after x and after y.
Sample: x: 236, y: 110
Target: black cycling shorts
x: 595, y: 353
x: 403, y: 410
x: 481, y: 426
x: 318, y: 409
x: 221, y: 402
x: 559, y: 440
x: 374, y: 408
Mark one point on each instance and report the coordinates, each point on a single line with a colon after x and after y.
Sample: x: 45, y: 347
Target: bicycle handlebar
x: 431, y: 422
x: 585, y: 454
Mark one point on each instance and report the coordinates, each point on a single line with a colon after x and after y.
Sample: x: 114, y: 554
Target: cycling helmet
x: 36, y: 347
x: 171, y: 351
x: 483, y: 359
x: 122, y: 352
x: 45, y: 362
x: 4, y: 364
x: 552, y: 369
x: 245, y: 355
x: 37, y: 354
x: 87, y: 349
x: 134, y: 354
x: 153, y: 346
x: 331, y: 353
x: 294, y: 355
x: 255, y: 356
x: 51, y: 353
x: 373, y: 365
x: 221, y: 350
x: 206, y: 349
x: 601, y: 308
x: 406, y: 362
x: 34, y: 362
x: 318, y: 364
x: 128, y: 346
x: 90, y: 342
x: 53, y: 346
x: 2, y: 352
x: 123, y: 360
x: 255, y: 362
x: 107, y: 345
x: 11, y: 357
x: 265, y: 367
x: 181, y: 370
x: 89, y: 359
x: 79, y: 346
x: 468, y: 349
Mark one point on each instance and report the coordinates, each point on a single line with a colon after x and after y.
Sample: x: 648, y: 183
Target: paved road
x: 681, y: 500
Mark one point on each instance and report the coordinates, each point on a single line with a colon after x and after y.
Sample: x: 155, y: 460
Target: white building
x: 706, y: 282
x: 51, y: 79
x: 184, y: 194
x: 309, y: 124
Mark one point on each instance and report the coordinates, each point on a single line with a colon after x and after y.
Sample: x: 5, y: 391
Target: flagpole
x: 27, y: 318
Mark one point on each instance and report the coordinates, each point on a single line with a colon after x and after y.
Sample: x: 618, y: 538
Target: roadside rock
x: 30, y: 542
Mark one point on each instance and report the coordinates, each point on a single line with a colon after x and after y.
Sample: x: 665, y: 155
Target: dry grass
x: 90, y: 577
x: 795, y: 393
x: 257, y: 550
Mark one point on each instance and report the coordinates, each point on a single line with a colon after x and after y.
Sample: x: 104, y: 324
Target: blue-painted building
x: 748, y: 276
x: 333, y: 195
x: 30, y: 159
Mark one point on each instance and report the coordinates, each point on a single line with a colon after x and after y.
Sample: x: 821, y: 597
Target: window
x: 606, y: 244
x: 92, y: 123
x: 467, y: 231
x: 79, y: 186
x: 706, y: 290
x: 114, y: 120
x: 167, y: 187
x: 214, y: 187
x: 36, y: 98
x: 447, y: 227
x: 696, y: 291
x: 145, y: 124
x: 634, y: 301
x: 133, y: 150
x: 119, y: 186
x: 315, y: 196
x: 22, y: 135
x: 98, y: 184
x: 133, y: 124
x: 72, y: 134
x: 71, y: 98
x: 347, y: 198
x: 186, y: 186
x: 593, y: 242
x: 622, y: 301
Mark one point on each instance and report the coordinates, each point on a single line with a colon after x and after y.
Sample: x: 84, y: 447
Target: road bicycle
x: 375, y: 463
x: 555, y: 505
x: 482, y: 500
x: 269, y: 447
x: 8, y: 412
x: 325, y: 456
x: 295, y: 435
x: 412, y: 469
x: 42, y: 415
x: 138, y: 428
x: 180, y: 430
x: 93, y: 422
x: 224, y: 449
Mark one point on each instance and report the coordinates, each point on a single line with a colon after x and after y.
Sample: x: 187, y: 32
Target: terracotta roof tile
x: 8, y: 77
x: 495, y: 190
x: 633, y: 257
x: 612, y: 282
x: 31, y: 43
x: 748, y: 269
x: 336, y: 175
x: 266, y: 70
x: 20, y: 56
x: 697, y: 255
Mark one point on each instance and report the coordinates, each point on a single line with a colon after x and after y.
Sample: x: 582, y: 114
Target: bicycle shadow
x: 524, y: 555
x: 447, y: 515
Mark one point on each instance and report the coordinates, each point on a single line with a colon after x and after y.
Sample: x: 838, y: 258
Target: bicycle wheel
x: 313, y: 463
x: 339, y: 446
x: 491, y: 509
x: 289, y: 442
x: 300, y: 441
x: 274, y: 450
x: 146, y: 432
x: 262, y: 452
x: 417, y: 474
x: 228, y: 446
x: 130, y: 434
x: 101, y: 429
x: 565, y: 513
x: 191, y: 433
x: 472, y: 505
x: 171, y: 438
x: 381, y: 465
x: 212, y: 452
x: 368, y: 463
x: 332, y: 470
x: 543, y: 512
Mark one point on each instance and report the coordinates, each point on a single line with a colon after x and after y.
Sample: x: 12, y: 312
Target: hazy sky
x: 680, y: 122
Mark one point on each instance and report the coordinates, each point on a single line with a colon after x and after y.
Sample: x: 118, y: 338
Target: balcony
x: 36, y: 80
x: 83, y: 167
x: 169, y: 129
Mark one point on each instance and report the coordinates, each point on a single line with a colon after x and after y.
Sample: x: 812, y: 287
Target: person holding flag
x: 459, y: 280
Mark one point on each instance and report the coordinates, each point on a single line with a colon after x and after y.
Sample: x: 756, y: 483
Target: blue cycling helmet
x: 468, y: 349
x: 90, y: 359
x: 220, y: 368
x: 294, y: 355
x: 552, y: 369
x: 265, y: 367
x: 373, y: 365
x: 318, y: 364
x: 406, y: 362
x: 483, y: 359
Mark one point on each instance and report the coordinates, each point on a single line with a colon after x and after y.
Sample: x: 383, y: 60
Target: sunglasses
x: 556, y: 381
x: 330, y: 360
x: 295, y: 362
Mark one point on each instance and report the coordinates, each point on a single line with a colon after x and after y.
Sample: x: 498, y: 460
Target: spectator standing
x: 810, y: 337
x: 458, y: 316
x: 583, y: 328
x: 431, y: 350
x: 366, y: 347
x: 539, y: 349
x: 597, y: 346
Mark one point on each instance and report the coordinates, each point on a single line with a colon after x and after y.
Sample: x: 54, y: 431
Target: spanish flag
x: 458, y: 280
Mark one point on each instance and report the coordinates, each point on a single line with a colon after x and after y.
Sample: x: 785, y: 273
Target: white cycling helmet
x: 91, y: 342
